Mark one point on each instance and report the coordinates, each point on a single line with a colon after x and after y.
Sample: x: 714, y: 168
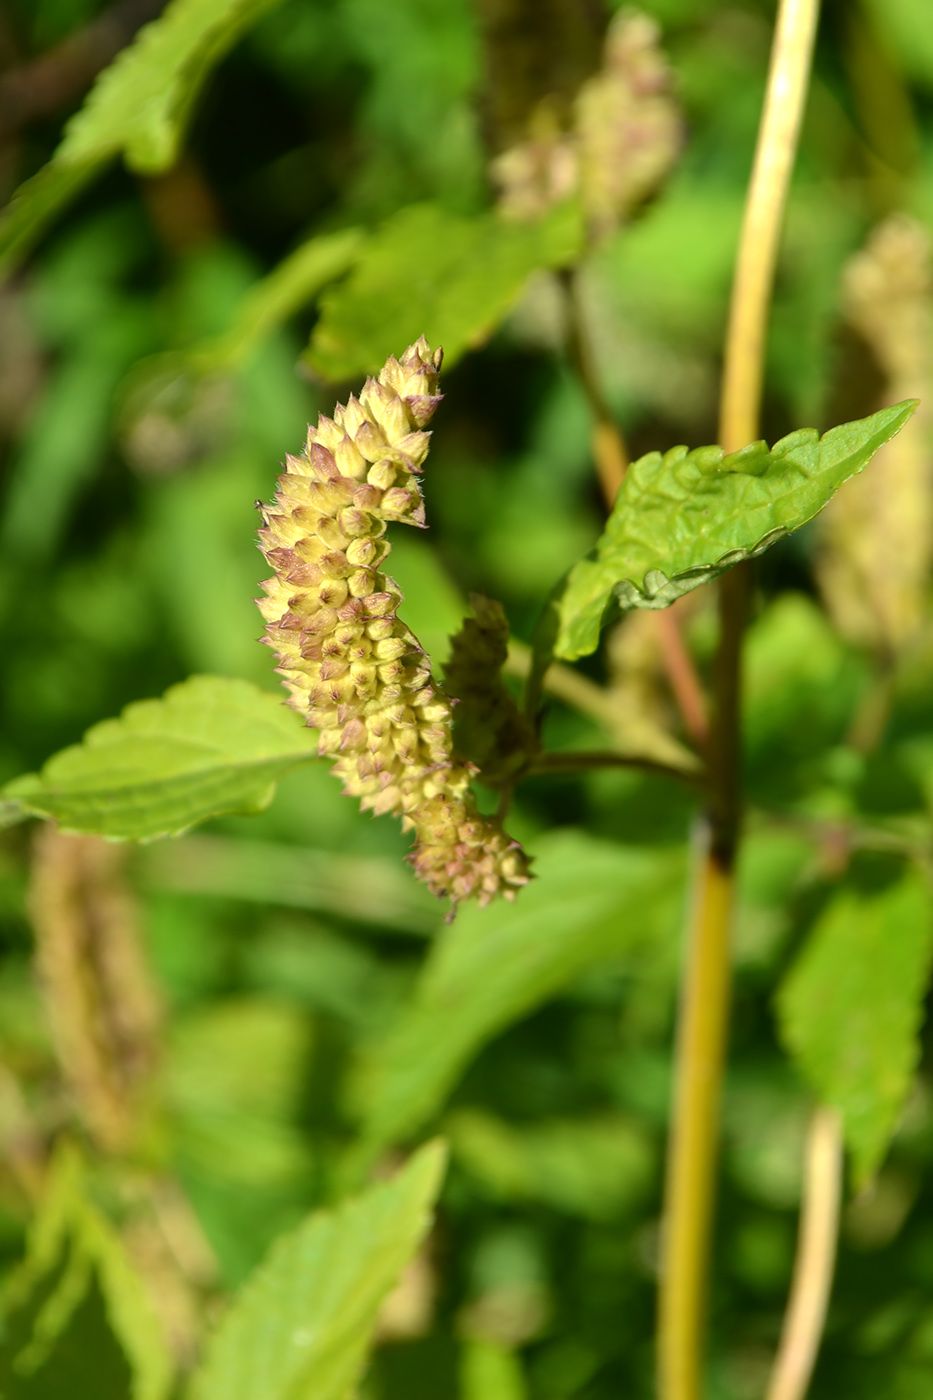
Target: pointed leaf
x: 852, y: 1007
x: 139, y: 106
x: 492, y: 966
x: 683, y: 518
x: 428, y: 272
x: 300, y: 1328
x: 210, y: 745
x: 76, y: 1308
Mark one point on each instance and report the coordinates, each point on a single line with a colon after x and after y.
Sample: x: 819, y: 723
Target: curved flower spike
x: 349, y: 663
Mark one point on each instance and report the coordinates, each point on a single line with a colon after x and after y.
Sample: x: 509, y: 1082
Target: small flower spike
x: 350, y: 665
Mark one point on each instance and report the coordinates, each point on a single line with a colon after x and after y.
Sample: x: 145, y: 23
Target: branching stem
x: 701, y: 1039
x: 575, y: 761
x: 816, y: 1258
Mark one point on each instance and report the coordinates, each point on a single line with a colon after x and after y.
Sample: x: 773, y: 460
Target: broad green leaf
x: 301, y: 1326
x: 592, y: 1167
x: 76, y: 1309
x: 683, y: 518
x: 139, y: 107
x: 490, y: 1372
x: 852, y: 1007
x: 429, y: 272
x: 210, y: 745
x: 591, y: 901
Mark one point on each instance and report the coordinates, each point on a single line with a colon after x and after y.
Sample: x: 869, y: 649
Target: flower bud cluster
x: 349, y: 663
x: 626, y: 132
x: 489, y: 728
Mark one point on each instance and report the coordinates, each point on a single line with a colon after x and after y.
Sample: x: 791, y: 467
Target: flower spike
x: 350, y: 665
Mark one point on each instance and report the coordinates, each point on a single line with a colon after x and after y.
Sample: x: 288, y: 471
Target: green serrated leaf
x: 76, y: 1310
x: 139, y: 106
x: 209, y: 746
x: 852, y: 1007
x: 300, y: 1328
x: 592, y: 901
x: 683, y: 518
x: 429, y: 272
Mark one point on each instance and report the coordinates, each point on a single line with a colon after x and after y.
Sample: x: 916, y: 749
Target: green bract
x: 683, y: 518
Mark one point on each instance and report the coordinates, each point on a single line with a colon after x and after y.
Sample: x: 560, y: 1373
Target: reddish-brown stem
x: 683, y: 677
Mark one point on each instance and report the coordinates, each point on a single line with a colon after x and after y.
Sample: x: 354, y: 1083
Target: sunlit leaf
x: 852, y: 1006
x: 210, y: 745
x: 300, y: 1328
x: 429, y: 272
x: 139, y: 107
x: 592, y: 901
x: 683, y: 518
x: 76, y: 1309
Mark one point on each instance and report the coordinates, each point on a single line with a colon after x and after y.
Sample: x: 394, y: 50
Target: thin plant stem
x: 582, y: 694
x: 815, y: 1262
x: 788, y: 80
x: 701, y: 1039
x: 576, y: 760
x: 682, y: 675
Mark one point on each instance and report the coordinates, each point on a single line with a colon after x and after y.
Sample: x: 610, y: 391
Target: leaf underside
x: 210, y: 746
x: 683, y: 518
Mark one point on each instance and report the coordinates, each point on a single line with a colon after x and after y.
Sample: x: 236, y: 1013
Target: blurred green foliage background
x: 284, y: 945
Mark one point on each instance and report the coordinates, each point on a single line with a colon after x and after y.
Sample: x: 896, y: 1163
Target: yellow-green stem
x: 701, y: 1040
